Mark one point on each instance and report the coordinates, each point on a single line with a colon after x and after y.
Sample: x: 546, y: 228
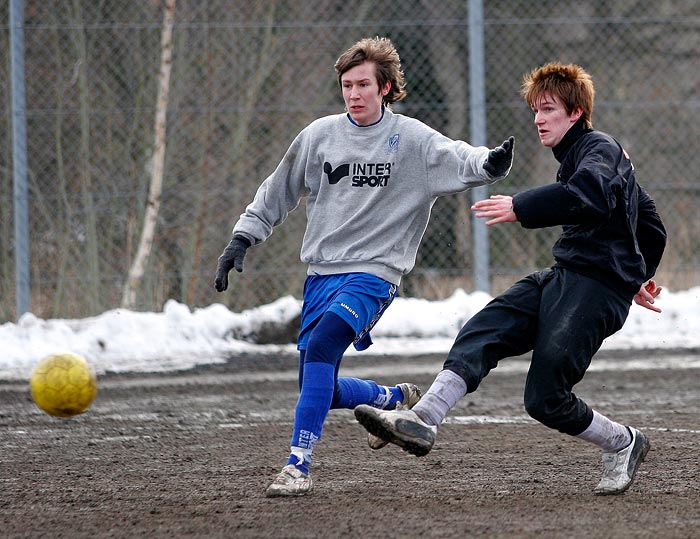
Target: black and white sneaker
x: 619, y: 468
x: 402, y: 427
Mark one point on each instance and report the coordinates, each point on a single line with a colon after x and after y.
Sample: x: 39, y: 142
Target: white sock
x: 606, y: 434
x: 446, y: 390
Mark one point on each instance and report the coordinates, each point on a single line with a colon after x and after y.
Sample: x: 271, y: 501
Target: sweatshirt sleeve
x: 548, y: 205
x: 277, y: 196
x: 651, y: 233
x: 453, y: 166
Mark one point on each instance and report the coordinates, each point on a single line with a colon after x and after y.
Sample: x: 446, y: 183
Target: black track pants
x: 559, y: 315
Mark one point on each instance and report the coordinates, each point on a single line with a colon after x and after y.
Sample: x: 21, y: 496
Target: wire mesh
x: 248, y: 76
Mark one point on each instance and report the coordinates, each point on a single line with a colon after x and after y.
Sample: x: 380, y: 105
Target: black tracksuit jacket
x: 611, y: 230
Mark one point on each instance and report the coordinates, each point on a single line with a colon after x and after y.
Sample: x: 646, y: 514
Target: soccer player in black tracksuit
x: 611, y: 244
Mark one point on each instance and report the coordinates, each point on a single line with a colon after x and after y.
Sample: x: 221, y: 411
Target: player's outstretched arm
x: 497, y: 208
x: 232, y: 257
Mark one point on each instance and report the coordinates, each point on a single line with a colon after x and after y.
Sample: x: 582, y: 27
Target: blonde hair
x: 570, y: 83
x: 381, y: 52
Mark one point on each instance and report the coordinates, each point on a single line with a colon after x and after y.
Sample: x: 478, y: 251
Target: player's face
x: 361, y: 93
x: 552, y: 120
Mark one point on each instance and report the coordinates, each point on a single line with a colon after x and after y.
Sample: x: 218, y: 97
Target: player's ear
x: 385, y: 89
x: 576, y: 114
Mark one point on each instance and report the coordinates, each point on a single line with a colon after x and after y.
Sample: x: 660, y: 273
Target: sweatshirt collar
x: 574, y: 133
x: 368, y: 125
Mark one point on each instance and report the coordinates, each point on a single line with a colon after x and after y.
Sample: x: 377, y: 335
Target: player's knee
x: 329, y: 339
x: 545, y: 409
x: 326, y: 347
x: 535, y: 407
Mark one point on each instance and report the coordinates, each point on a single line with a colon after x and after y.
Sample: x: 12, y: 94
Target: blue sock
x: 351, y: 392
x: 321, y: 388
x: 311, y: 411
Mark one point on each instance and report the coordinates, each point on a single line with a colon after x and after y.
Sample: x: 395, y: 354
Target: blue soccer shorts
x: 358, y: 298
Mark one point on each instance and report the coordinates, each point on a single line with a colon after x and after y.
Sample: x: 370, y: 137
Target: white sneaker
x: 411, y: 395
x: 291, y: 481
x: 619, y: 468
x: 401, y: 427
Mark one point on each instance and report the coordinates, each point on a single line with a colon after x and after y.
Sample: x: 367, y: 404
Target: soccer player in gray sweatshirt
x: 370, y: 178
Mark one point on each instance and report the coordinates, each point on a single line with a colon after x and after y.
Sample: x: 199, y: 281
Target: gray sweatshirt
x: 369, y: 192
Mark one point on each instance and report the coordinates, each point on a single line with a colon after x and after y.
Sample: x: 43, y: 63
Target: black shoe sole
x: 407, y: 435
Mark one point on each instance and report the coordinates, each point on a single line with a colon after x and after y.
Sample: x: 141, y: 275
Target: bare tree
x: 154, y: 195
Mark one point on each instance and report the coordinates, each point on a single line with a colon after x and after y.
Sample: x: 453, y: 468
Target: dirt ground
x: 190, y: 454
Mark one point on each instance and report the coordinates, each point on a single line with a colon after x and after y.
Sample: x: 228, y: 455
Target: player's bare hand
x: 496, y: 208
x: 646, y: 295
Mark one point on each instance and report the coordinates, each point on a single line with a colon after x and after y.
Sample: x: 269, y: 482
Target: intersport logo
x: 362, y: 174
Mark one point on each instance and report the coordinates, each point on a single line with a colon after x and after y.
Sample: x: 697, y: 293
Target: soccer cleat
x: 620, y: 467
x: 411, y: 395
x: 401, y: 427
x: 289, y: 482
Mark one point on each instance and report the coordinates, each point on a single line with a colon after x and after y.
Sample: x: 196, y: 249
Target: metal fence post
x: 477, y: 106
x: 19, y: 156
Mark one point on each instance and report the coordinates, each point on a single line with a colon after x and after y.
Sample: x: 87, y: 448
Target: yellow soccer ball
x: 63, y: 385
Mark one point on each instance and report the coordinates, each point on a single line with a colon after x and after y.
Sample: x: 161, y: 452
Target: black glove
x: 232, y: 257
x: 500, y: 159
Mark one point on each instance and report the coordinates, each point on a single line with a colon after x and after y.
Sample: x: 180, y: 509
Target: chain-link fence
x: 246, y: 77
